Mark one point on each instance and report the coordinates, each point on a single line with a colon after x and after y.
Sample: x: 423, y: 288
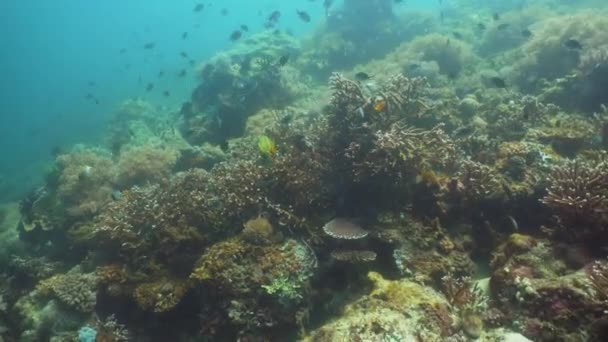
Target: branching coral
x: 162, y: 295
x: 346, y: 94
x: 469, y: 302
x: 477, y: 182
x: 599, y: 281
x: 401, y: 152
x: 395, y: 96
x: 75, y: 289
x: 578, y: 193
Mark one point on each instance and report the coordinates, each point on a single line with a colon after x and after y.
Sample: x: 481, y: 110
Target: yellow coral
x: 162, y: 295
x: 214, y: 261
x: 401, y: 293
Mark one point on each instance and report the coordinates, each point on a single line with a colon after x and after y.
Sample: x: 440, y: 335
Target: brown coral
x: 144, y: 165
x: 75, y: 289
x: 578, y: 192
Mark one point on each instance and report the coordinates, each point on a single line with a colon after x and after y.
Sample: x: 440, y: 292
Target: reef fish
x: 199, y: 7
x: 236, y: 35
x: 498, y: 82
x: 362, y: 76
x: 283, y: 60
x: 573, y: 44
x: 379, y: 105
x: 149, y: 46
x: 272, y: 19
x: 303, y: 16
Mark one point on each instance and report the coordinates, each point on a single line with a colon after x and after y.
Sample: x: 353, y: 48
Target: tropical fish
x: 303, y: 16
x: 267, y: 146
x: 224, y: 12
x: 199, y: 7
x: 149, y: 45
x: 272, y: 19
x: 498, y: 82
x: 526, y: 33
x: 283, y: 60
x: 379, y: 105
x: 184, y: 35
x: 502, y: 26
x: 245, y: 28
x: 572, y: 44
x: 150, y: 86
x: 362, y: 76
x: 236, y: 35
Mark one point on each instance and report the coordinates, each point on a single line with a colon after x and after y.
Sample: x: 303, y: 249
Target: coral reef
x: 578, y: 194
x: 448, y: 183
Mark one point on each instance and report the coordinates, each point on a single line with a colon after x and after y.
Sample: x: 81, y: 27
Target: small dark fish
x: 116, y: 195
x: 305, y: 17
x: 91, y: 83
x: 236, y: 35
x: 283, y: 60
x: 463, y: 131
x: 274, y: 17
x: 149, y: 46
x: 441, y: 16
x: 481, y: 27
x: 161, y: 73
x: 199, y: 7
x: 413, y: 66
x: 183, y: 54
x: 56, y: 150
x: 457, y: 35
x: 498, y: 82
x: 245, y: 28
x: 166, y: 93
x: 573, y: 44
x: 398, y: 1
x: 149, y: 87
x: 182, y: 73
x: 184, y: 35
x: 224, y: 146
x: 526, y: 33
x: 496, y: 16
x: 362, y: 76
x: 89, y: 96
x: 192, y: 62
x: 502, y: 26
x: 123, y: 50
x: 224, y: 12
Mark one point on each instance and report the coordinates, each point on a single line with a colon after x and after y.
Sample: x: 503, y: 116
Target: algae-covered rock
x: 394, y: 310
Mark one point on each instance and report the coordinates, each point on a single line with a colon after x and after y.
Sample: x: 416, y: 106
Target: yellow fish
x: 267, y: 146
x: 379, y: 105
